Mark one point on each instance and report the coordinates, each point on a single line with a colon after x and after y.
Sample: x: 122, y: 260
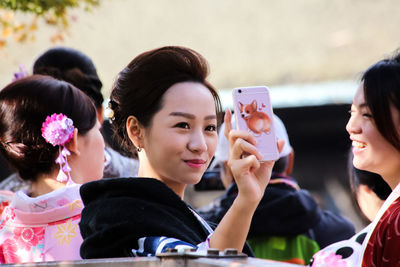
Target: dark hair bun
x: 73, y: 66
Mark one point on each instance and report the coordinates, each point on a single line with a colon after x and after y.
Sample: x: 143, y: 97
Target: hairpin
x: 109, y: 112
x: 57, y: 130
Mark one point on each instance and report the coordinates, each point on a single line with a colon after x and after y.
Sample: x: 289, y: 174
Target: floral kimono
x: 43, y: 228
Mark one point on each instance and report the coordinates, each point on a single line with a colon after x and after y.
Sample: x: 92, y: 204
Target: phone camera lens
x: 239, y: 91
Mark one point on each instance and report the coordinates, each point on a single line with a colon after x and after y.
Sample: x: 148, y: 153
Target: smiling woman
x: 374, y: 130
x: 182, y: 139
x: 164, y: 108
x: 372, y: 150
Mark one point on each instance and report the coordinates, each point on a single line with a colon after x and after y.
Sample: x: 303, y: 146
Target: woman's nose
x: 197, y: 142
x: 352, y: 125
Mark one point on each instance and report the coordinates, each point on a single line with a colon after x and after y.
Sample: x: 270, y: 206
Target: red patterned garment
x: 5, y: 199
x: 383, y: 248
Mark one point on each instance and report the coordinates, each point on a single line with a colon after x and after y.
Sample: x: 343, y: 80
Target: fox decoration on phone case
x: 257, y: 121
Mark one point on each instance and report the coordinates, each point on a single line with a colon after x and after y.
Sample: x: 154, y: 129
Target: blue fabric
x: 150, y: 246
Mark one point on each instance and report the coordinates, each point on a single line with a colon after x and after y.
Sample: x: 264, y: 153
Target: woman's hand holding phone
x: 251, y: 175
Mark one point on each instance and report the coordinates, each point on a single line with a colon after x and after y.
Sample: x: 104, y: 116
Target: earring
x: 139, y: 149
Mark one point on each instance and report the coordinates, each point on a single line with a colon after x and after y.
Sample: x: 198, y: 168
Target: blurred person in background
x: 369, y: 191
x: 288, y: 224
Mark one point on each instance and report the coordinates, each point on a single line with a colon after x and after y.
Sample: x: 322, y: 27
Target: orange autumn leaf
x: 6, y: 32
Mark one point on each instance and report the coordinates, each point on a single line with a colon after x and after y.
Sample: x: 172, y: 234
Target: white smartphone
x: 253, y: 111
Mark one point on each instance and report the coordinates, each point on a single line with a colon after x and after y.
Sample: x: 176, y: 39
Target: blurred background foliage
x: 273, y: 42
x: 52, y: 12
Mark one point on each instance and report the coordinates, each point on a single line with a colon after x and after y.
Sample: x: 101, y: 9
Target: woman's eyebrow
x: 210, y: 117
x: 191, y: 116
x: 363, y: 105
x: 183, y: 114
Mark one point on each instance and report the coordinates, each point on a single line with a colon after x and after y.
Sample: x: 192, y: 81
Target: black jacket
x: 120, y: 211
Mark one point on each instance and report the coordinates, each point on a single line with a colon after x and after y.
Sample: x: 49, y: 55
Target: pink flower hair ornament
x: 57, y: 130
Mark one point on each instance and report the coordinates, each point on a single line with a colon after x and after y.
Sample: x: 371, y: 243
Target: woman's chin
x: 193, y: 180
x: 360, y: 165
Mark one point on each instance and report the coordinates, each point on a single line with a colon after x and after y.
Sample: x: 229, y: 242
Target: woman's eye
x: 367, y: 115
x: 183, y: 125
x: 211, y: 128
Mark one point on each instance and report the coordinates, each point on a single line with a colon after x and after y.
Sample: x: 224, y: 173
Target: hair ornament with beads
x: 57, y: 130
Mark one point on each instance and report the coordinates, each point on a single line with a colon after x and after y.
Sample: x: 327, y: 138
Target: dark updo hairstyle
x: 72, y: 66
x: 24, y: 106
x: 381, y: 91
x: 140, y: 86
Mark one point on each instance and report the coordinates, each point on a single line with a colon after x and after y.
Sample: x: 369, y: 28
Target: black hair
x: 281, y: 164
x: 373, y: 180
x: 382, y: 91
x: 73, y: 66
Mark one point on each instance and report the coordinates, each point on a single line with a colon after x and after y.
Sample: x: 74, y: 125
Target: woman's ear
x: 289, y: 167
x: 135, y: 131
x: 72, y: 145
x: 99, y: 114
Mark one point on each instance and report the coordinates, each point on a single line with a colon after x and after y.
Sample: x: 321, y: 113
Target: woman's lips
x: 195, y: 163
x: 358, y: 146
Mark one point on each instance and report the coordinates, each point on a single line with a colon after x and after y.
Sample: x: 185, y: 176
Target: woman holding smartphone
x: 163, y: 107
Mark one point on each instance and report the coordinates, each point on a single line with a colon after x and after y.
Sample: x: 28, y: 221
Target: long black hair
x: 381, y: 92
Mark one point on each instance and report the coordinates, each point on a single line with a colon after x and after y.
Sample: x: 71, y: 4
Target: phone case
x: 253, y: 113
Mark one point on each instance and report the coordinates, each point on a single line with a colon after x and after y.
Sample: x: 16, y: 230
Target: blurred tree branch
x: 51, y: 12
